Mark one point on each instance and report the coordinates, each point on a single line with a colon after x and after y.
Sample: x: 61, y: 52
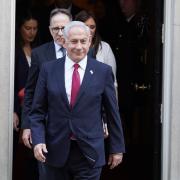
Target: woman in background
x: 99, y: 49
x: 24, y: 164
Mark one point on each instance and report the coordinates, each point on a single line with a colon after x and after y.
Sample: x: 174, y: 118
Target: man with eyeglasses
x: 70, y: 142
x: 46, y: 52
x: 43, y: 15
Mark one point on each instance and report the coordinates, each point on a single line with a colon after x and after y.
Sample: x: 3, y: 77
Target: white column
x: 175, y: 114
x: 7, y: 22
x: 171, y: 92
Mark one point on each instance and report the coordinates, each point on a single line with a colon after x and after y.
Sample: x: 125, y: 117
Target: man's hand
x: 26, y: 137
x: 115, y: 160
x: 39, y: 151
x: 15, y: 121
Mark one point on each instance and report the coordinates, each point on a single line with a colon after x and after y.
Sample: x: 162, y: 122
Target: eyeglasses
x: 57, y: 29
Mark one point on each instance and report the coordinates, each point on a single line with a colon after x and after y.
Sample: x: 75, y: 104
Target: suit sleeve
x: 116, y: 138
x: 29, y: 90
x: 38, y: 113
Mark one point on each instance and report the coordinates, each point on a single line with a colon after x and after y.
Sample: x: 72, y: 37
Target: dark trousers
x: 76, y: 168
x: 25, y: 166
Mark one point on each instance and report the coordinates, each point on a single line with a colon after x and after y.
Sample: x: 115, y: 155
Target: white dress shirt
x: 59, y: 53
x: 28, y: 60
x: 69, y: 68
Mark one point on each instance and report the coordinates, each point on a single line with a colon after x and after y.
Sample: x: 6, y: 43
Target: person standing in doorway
x: 24, y: 163
x: 70, y: 93
x: 46, y: 52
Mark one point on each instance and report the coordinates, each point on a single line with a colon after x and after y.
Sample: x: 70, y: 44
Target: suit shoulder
x: 105, y: 44
x: 99, y: 64
x: 105, y: 49
x: 53, y: 64
x: 43, y: 47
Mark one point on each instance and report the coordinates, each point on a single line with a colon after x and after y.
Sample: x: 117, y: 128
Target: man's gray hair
x: 56, y: 11
x: 73, y: 24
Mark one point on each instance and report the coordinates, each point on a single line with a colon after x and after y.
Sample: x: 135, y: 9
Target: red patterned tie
x: 75, y: 85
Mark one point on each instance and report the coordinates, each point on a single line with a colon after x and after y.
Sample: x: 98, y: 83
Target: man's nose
x: 60, y: 32
x: 79, y: 45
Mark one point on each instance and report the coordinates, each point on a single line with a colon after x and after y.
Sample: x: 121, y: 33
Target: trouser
x: 76, y: 168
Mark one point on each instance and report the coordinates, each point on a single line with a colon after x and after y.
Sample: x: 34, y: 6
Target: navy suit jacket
x: 41, y: 54
x: 84, y: 120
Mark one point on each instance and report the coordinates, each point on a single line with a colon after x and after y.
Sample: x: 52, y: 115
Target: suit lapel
x: 51, y: 53
x: 87, y: 80
x: 61, y: 82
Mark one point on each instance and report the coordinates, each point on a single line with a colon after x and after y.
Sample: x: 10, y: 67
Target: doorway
x: 139, y: 76
x: 143, y: 132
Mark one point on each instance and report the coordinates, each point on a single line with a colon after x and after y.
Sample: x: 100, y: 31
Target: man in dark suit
x: 66, y: 116
x: 45, y: 12
x: 46, y: 52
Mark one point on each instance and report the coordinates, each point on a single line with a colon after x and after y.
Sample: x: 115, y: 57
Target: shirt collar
x: 70, y: 63
x: 57, y: 47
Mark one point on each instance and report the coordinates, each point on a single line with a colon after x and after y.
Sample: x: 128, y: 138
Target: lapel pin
x: 91, y: 71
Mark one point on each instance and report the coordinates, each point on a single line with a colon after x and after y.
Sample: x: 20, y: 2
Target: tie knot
x: 63, y: 51
x: 76, y: 66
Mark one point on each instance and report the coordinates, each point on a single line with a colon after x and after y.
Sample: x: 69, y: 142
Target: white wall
x: 7, y: 15
x: 175, y: 114
x: 171, y: 92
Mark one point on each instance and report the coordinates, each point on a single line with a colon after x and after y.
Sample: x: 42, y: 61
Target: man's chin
x: 79, y: 58
x: 59, y: 43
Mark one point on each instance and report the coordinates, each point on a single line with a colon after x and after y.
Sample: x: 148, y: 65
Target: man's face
x: 57, y: 24
x: 128, y: 7
x: 77, y: 44
x: 63, y: 3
